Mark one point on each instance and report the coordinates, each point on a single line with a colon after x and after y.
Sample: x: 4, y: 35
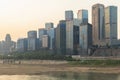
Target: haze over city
x: 17, y: 17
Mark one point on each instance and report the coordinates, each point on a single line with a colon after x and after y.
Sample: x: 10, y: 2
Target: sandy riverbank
x: 39, y: 67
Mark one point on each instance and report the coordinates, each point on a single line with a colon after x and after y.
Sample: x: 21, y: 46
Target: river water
x: 63, y: 76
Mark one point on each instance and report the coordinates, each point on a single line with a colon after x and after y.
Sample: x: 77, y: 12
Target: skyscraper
x: 83, y: 15
x: 22, y: 45
x: 69, y: 15
x: 72, y: 35
x: 61, y: 37
x: 45, y: 43
x: 98, y: 23
x: 85, y: 38
x: 32, y: 40
x: 111, y: 24
x: 50, y: 32
x: 51, y: 35
x: 41, y: 32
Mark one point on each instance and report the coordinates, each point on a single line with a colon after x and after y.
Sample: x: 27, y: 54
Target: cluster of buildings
x: 75, y: 35
x: 45, y: 39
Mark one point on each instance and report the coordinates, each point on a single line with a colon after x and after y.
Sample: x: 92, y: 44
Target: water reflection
x: 63, y: 76
x: 85, y: 76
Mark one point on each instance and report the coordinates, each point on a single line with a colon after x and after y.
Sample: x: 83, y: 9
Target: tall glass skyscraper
x: 72, y: 35
x: 51, y: 35
x: 41, y: 32
x: 85, y: 38
x: 50, y: 32
x: 61, y: 37
x: 32, y: 40
x: 111, y: 24
x: 98, y: 23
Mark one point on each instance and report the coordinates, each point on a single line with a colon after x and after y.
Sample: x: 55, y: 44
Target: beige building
x: 111, y: 25
x: 98, y: 23
x: 45, y: 43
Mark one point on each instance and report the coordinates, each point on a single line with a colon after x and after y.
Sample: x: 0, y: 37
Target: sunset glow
x: 19, y: 16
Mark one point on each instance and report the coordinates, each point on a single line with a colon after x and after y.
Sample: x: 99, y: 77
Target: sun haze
x: 19, y: 16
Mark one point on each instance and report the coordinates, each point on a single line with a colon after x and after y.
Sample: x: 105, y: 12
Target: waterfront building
x: 72, y: 36
x: 85, y: 38
x: 111, y: 24
x: 22, y: 45
x: 45, y: 43
x: 61, y: 37
x: 98, y: 23
x: 32, y: 40
x: 50, y: 32
x: 51, y: 35
x: 41, y: 32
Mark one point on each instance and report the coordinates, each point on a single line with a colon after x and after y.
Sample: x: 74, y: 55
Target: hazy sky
x: 17, y: 17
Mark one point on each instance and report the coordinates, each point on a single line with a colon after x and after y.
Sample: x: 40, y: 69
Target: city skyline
x: 19, y: 17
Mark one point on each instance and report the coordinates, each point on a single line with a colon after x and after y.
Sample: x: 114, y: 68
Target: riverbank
x: 31, y: 67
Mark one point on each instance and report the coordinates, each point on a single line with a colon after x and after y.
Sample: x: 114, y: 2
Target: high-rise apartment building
x: 111, y: 24
x: 98, y: 23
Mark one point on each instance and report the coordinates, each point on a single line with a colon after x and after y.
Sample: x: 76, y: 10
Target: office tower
x: 72, y: 36
x: 85, y: 38
x: 98, y: 23
x: 32, y: 40
x: 61, y: 37
x: 22, y: 45
x: 49, y: 25
x: 69, y: 15
x: 111, y: 24
x: 50, y: 32
x: 41, y: 32
x: 51, y: 35
x: 83, y: 15
x: 45, y: 43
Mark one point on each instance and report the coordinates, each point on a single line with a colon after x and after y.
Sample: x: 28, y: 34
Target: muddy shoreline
x: 37, y: 67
